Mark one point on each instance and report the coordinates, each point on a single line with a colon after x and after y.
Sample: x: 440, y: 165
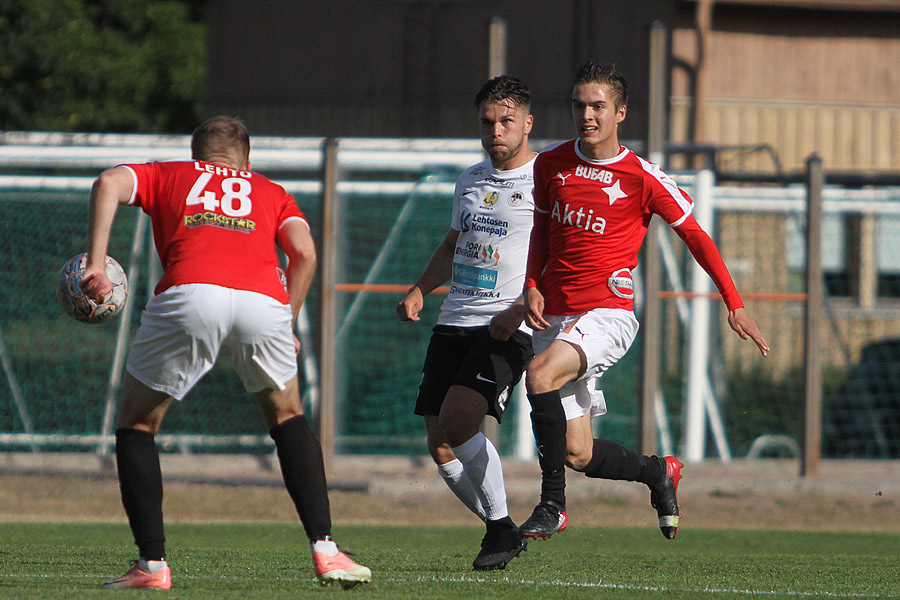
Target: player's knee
x: 577, y: 460
x: 538, y: 379
x: 440, y: 452
x: 456, y: 427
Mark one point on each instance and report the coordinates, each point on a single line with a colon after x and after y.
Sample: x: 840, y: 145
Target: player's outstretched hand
x: 534, y: 309
x: 95, y: 283
x: 408, y: 308
x: 744, y: 325
x: 506, y: 322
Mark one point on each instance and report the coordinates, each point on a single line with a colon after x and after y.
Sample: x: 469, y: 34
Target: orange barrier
x: 398, y: 288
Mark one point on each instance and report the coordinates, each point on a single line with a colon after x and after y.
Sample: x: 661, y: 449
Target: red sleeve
x: 289, y: 209
x: 537, y: 246
x: 145, y: 175
x: 707, y: 256
x: 537, y: 251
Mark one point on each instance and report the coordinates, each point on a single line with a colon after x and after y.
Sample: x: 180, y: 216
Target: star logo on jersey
x: 614, y: 192
x: 563, y: 177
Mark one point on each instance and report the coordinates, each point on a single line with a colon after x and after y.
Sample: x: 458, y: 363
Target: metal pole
x: 497, y: 66
x: 328, y: 319
x: 652, y: 318
x: 698, y: 333
x: 496, y: 46
x: 114, y: 383
x: 815, y: 295
x: 6, y: 361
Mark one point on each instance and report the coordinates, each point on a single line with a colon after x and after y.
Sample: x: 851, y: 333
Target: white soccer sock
x: 453, y: 476
x: 326, y: 546
x: 152, y: 566
x: 481, y: 465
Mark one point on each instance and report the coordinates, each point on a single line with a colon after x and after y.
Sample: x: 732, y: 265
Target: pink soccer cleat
x: 333, y: 566
x: 139, y: 576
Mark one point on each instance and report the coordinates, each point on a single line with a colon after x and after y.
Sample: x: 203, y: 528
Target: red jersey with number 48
x: 215, y: 224
x: 591, y: 217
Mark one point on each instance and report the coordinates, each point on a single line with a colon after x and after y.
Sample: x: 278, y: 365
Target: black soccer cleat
x: 498, y: 547
x: 662, y: 498
x: 546, y: 519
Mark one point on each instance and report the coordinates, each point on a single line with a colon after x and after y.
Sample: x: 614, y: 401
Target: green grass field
x: 41, y: 561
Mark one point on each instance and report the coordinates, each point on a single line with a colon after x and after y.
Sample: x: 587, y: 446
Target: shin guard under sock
x: 613, y: 461
x: 482, y: 467
x: 140, y: 482
x: 303, y: 469
x: 548, y: 419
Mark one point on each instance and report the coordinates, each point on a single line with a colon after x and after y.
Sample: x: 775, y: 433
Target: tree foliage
x: 101, y: 65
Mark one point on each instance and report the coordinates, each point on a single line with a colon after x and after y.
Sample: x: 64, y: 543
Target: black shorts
x: 470, y: 357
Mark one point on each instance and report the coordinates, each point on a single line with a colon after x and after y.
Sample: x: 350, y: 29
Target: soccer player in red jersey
x: 593, y: 202
x: 216, y: 225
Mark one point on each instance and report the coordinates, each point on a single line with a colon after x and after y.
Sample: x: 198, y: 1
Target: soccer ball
x: 77, y: 305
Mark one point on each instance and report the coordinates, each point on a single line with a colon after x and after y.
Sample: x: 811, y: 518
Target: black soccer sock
x: 140, y: 482
x: 548, y: 420
x: 496, y: 525
x: 303, y: 469
x: 613, y: 461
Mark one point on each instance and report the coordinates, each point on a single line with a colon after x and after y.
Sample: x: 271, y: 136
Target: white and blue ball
x: 74, y: 301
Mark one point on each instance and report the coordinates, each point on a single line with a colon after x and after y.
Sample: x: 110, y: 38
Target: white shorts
x: 604, y: 335
x: 183, y: 328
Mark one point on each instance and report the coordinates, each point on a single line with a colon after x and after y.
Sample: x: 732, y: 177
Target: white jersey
x: 493, y: 211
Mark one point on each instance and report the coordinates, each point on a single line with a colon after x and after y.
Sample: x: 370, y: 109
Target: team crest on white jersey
x: 516, y: 199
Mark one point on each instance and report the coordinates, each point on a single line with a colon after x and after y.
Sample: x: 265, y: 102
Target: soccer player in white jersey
x: 480, y: 345
x: 216, y: 225
x: 593, y: 203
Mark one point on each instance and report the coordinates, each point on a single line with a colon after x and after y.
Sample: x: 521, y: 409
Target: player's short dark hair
x: 504, y: 87
x: 597, y: 72
x: 220, y: 135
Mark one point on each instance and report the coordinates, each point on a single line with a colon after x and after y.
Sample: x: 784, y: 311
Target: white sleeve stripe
x: 542, y: 211
x: 681, y: 220
x: 289, y: 219
x: 671, y: 187
x: 134, y: 187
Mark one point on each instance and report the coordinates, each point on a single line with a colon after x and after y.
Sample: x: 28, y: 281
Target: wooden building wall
x: 797, y: 79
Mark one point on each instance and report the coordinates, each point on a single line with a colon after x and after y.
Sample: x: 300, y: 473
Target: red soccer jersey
x: 214, y: 224
x: 590, y: 221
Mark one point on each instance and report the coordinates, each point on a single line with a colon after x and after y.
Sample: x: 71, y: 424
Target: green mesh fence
x: 55, y: 371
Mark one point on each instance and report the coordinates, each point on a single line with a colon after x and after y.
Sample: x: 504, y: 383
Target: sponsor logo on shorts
x: 481, y: 377
x: 503, y: 398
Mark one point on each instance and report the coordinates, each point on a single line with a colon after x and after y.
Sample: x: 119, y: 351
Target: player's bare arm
x: 437, y: 272
x: 112, y: 188
x: 744, y: 325
x: 534, y: 309
x: 297, y: 243
x: 507, y: 321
